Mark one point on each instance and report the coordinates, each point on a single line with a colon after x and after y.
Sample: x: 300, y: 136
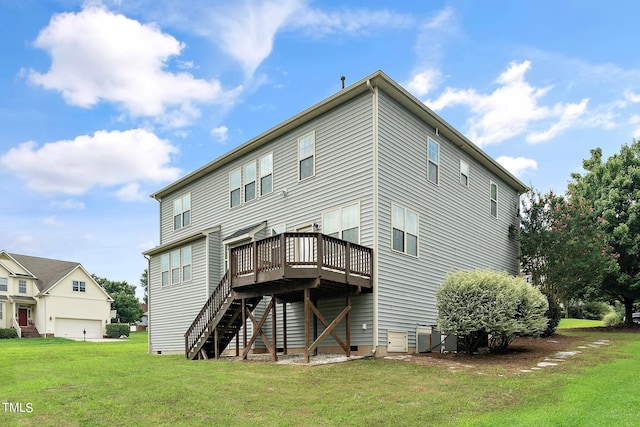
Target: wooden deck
x: 288, y: 267
x: 286, y: 264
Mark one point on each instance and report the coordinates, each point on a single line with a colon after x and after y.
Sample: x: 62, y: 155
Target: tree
x: 124, y: 299
x: 612, y: 188
x: 563, y: 246
x: 144, y: 282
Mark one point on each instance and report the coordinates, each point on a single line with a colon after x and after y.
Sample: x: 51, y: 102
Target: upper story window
x: 250, y: 181
x: 433, y: 160
x: 343, y: 223
x: 404, y: 223
x: 4, y: 284
x: 22, y: 286
x: 464, y: 173
x: 494, y: 199
x: 175, y: 266
x: 182, y: 211
x: 306, y: 155
x: 234, y: 187
x: 266, y: 174
x: 79, y: 286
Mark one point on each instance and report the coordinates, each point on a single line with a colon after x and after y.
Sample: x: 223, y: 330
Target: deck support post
x: 329, y: 329
x: 244, y: 325
x: 307, y: 324
x: 274, y: 353
x: 284, y: 328
x: 314, y: 303
x: 216, y: 340
x: 257, y: 331
x: 348, y: 326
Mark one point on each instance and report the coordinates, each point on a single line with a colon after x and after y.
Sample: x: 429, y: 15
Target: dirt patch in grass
x: 523, y: 353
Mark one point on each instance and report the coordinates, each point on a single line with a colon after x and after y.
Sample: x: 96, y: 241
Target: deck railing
x: 279, y: 255
x: 207, y: 314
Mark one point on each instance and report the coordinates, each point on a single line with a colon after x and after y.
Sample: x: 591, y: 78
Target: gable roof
x: 49, y: 272
x: 391, y: 88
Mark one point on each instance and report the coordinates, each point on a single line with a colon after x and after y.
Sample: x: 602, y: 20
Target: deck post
x: 274, y: 355
x: 307, y: 325
x: 283, y: 254
x: 244, y: 328
x: 348, y: 326
x: 255, y: 261
x: 314, y: 302
x: 284, y: 328
x: 347, y: 262
x: 216, y: 340
x: 320, y: 253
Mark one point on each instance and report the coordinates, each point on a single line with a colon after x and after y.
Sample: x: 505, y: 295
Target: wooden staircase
x: 219, y: 321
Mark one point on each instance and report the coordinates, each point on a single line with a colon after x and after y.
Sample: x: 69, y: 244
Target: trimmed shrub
x: 613, y: 318
x: 553, y: 315
x: 595, y: 310
x: 494, y: 303
x: 116, y: 330
x: 8, y: 333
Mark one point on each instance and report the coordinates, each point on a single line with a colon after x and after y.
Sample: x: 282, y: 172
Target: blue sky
x: 102, y: 103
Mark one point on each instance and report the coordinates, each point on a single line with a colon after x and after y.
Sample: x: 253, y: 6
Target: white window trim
x: 491, y: 200
x: 20, y: 283
x: 417, y: 255
x: 179, y: 267
x: 182, y: 211
x: 429, y: 139
x: 313, y: 132
x: 168, y: 270
x: 230, y: 190
x: 245, y: 183
x: 468, y: 175
x: 339, y: 209
x: 82, y: 286
x: 261, y: 175
x: 6, y: 283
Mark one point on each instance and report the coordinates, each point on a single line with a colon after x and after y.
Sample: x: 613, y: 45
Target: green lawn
x: 72, y: 383
x: 579, y: 323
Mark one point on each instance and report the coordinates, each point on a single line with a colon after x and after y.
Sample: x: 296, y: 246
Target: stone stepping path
x: 561, y: 356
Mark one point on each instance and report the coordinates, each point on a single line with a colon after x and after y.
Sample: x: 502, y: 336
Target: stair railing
x: 207, y: 314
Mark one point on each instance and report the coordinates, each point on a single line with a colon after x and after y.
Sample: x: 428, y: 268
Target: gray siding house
x: 329, y: 232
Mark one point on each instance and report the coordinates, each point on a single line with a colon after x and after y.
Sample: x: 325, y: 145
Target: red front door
x: 22, y: 316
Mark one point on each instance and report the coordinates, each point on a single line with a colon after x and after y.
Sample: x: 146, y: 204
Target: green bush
x: 595, y: 310
x: 500, y: 305
x: 553, y: 314
x: 116, y: 330
x: 8, y: 333
x: 613, y: 318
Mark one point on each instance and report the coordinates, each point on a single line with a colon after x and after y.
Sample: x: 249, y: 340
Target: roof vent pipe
x: 342, y: 78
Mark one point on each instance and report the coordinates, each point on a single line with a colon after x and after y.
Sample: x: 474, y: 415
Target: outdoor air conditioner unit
x: 428, y: 339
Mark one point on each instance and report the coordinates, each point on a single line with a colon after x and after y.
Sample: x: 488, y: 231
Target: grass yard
x: 579, y: 323
x: 70, y: 383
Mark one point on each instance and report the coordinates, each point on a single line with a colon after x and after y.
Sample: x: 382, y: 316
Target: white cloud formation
x: 131, y: 193
x: 424, y: 82
x: 518, y: 165
x: 97, y: 55
x: 511, y: 109
x: 635, y: 121
x: 69, y: 204
x: 52, y: 221
x: 631, y: 96
x: 103, y: 159
x: 220, y: 133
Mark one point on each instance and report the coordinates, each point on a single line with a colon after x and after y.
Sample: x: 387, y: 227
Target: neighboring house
x: 141, y: 325
x: 48, y: 297
x: 371, y: 199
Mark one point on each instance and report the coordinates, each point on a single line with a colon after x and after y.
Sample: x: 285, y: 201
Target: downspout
x: 374, y: 270
x: 148, y: 303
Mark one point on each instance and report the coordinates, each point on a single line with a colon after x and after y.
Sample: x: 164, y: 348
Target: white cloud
x: 631, y: 96
x: 131, y: 193
x: 68, y: 204
x: 569, y: 115
x: 52, y: 221
x: 424, y: 81
x: 518, y: 165
x: 97, y: 55
x: 635, y: 121
x: 102, y: 159
x: 220, y: 133
x: 511, y: 109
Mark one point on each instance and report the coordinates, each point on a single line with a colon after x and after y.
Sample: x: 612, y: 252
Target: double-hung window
x: 266, y: 174
x: 494, y: 199
x: 306, y: 155
x: 175, y: 266
x: 343, y: 223
x: 464, y: 173
x: 404, y: 230
x: 186, y: 263
x: 164, y: 267
x: 22, y: 286
x: 250, y: 181
x: 79, y: 286
x: 182, y: 211
x: 433, y: 160
x: 4, y: 284
x: 234, y: 187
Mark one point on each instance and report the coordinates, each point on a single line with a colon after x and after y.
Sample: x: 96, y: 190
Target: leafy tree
x: 124, y: 299
x: 563, y: 246
x: 473, y: 303
x: 144, y: 282
x: 612, y: 188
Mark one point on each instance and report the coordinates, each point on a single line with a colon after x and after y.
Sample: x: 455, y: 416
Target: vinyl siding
x: 173, y: 308
x: 343, y: 175
x: 456, y: 230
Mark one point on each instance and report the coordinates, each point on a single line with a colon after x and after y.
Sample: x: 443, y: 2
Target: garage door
x: 73, y: 328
